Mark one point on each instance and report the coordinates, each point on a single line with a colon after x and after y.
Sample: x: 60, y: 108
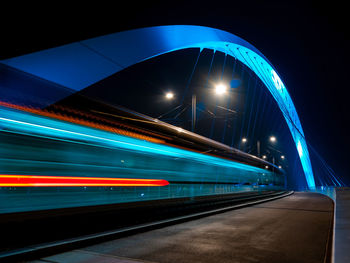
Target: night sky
x: 305, y: 41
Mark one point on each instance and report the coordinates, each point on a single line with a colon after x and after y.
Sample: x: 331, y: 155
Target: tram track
x: 173, y: 214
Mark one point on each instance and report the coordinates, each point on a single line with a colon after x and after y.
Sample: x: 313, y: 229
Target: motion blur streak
x: 81, y: 122
x: 36, y: 180
x: 37, y: 150
x: 34, y: 125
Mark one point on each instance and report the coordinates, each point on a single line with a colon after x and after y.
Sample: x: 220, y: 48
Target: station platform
x: 297, y: 228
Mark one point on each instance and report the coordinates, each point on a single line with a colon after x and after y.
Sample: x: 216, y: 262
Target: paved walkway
x: 342, y: 226
x: 292, y: 229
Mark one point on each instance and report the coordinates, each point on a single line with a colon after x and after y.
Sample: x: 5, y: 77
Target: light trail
x: 50, y: 181
x: 61, y: 130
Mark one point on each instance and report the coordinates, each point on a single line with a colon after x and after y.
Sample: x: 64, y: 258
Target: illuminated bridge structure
x: 78, y: 65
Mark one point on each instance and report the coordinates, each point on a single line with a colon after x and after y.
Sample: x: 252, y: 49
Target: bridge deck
x: 297, y: 228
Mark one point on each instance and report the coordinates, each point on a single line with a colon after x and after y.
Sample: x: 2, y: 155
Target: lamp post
x: 220, y: 89
x: 273, y: 170
x: 244, y: 141
x: 194, y: 111
x: 272, y: 139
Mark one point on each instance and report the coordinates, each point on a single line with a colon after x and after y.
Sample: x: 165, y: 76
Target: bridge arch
x: 81, y: 64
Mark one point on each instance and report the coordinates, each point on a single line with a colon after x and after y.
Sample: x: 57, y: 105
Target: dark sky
x: 306, y: 42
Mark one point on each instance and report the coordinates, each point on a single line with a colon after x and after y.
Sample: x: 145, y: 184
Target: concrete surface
x: 342, y: 226
x: 292, y: 229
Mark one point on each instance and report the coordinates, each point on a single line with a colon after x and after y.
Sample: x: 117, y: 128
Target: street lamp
x: 169, y: 95
x: 220, y: 89
x: 244, y: 141
x: 272, y: 139
x: 282, y: 157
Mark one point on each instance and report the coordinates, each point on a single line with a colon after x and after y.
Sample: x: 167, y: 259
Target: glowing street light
x: 169, y: 95
x: 266, y: 167
x: 244, y: 140
x: 264, y: 156
x: 282, y: 157
x: 273, y: 139
x: 220, y: 89
x: 280, y: 166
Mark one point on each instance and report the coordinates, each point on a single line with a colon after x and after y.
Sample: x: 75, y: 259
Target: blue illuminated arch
x: 81, y: 64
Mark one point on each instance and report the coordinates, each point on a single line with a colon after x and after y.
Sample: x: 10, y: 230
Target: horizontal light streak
x: 7, y: 180
x: 55, y: 129
x: 82, y: 122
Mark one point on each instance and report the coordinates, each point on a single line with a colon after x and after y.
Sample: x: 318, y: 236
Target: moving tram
x: 61, y: 157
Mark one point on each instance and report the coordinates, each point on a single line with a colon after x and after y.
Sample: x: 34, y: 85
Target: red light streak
x: 49, y: 181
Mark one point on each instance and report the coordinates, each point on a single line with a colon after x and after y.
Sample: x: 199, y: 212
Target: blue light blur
x: 23, y: 123
x: 35, y: 145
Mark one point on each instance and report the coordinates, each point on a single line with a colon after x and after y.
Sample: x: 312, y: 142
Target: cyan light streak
x: 81, y: 64
x: 14, y: 121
